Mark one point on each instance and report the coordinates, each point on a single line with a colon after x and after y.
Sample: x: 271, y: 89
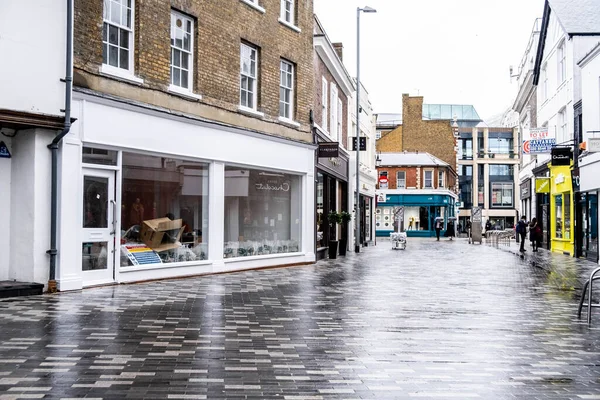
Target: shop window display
x: 559, y: 215
x: 262, y: 212
x: 164, y: 210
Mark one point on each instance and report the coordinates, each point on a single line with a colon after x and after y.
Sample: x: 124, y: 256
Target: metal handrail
x: 588, y: 287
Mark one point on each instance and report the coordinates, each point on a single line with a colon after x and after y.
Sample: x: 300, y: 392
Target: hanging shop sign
x: 329, y: 149
x: 4, y: 153
x: 575, y: 179
x: 561, y: 156
x: 381, y: 198
x: 538, y: 141
x: 526, y: 189
x: 383, y: 182
x: 363, y: 143
x: 593, y: 145
x: 542, y: 185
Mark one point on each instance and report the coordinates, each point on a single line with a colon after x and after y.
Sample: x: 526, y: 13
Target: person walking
x: 450, y: 230
x: 522, y: 232
x: 535, y: 234
x: 438, y: 228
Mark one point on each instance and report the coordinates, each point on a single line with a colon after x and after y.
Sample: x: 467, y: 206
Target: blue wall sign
x: 4, y: 153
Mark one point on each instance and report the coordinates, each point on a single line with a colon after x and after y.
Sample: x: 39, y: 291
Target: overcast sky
x: 449, y: 51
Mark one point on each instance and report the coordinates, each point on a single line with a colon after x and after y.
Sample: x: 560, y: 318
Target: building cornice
x: 327, y: 53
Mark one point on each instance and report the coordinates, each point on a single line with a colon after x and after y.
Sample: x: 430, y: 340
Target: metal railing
x: 498, y: 237
x: 588, y: 288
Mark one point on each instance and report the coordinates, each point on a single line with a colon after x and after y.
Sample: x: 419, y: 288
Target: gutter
x: 54, y: 146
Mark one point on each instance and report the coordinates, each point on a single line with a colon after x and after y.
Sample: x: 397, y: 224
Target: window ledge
x: 254, y: 5
x: 288, y: 121
x: 251, y: 111
x: 291, y: 26
x: 176, y: 90
x: 120, y: 74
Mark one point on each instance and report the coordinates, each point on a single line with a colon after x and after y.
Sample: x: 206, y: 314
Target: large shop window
x: 164, y: 210
x: 563, y: 216
x: 262, y: 212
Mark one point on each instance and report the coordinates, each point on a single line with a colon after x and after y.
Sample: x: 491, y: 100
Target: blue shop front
x: 420, y: 212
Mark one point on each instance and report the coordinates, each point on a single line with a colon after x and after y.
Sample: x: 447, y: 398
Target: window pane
x: 115, y: 13
x: 95, y: 202
x: 184, y: 79
x: 185, y: 63
x: 164, y: 210
x: 176, y: 76
x: 94, y: 256
x: 186, y: 42
x: 559, y: 216
x: 113, y: 56
x: 104, y: 53
x: 262, y: 212
x: 177, y: 58
x: 124, y: 38
x: 124, y: 59
x: 113, y: 35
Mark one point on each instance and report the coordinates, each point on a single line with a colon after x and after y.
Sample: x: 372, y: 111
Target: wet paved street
x: 438, y: 320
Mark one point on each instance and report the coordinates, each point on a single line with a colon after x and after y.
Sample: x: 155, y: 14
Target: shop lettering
x: 284, y: 187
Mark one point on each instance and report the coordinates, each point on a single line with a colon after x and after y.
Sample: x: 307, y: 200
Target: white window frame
x: 333, y: 114
x: 324, y: 108
x: 190, y: 67
x: 253, y: 78
x: 125, y: 73
x: 340, y: 119
x: 562, y: 125
x: 544, y: 82
x: 425, y: 179
x: 254, y: 4
x: 403, y: 180
x: 562, y: 62
x: 441, y: 179
x: 288, y: 15
x: 286, y: 70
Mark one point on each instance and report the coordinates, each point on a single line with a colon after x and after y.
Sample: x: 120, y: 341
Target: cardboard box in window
x: 162, y: 234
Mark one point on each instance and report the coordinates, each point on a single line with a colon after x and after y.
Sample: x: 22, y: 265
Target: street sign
x: 4, y: 153
x: 538, y: 141
x: 399, y: 213
x: 363, y: 143
x: 476, y: 214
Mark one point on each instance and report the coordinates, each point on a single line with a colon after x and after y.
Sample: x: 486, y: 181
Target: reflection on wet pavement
x: 437, y: 320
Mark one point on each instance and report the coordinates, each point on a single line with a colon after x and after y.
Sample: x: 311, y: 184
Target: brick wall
x: 321, y: 71
x: 390, y: 142
x: 415, y: 176
x: 220, y: 27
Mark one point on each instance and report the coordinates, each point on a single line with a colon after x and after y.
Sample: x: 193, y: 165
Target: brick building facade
x: 215, y: 77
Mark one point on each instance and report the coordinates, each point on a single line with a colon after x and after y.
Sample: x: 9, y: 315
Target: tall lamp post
x: 365, y: 9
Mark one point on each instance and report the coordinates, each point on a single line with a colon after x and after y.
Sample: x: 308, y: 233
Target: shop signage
x: 526, y: 189
x: 363, y: 143
x: 593, y: 145
x: 561, y: 156
x: 329, y: 149
x: 4, y: 153
x: 538, y: 141
x: 381, y: 198
x: 284, y: 187
x: 140, y: 254
x: 542, y: 185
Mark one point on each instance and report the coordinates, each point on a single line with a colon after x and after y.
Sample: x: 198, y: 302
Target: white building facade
x: 367, y: 166
x: 28, y: 124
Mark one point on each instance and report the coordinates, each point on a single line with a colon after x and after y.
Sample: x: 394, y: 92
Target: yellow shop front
x: 562, y: 210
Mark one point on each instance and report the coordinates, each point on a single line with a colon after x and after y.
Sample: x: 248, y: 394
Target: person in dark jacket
x: 450, y: 230
x: 522, y: 232
x: 535, y: 233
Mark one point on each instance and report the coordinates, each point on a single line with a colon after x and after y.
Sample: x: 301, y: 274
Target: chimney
x: 339, y: 49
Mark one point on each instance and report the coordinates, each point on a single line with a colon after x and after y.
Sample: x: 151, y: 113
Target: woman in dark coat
x: 450, y: 230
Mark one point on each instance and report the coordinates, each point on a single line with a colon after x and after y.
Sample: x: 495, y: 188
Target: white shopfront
x: 148, y: 195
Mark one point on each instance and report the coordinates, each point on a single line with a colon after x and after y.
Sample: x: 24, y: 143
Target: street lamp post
x: 365, y: 9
